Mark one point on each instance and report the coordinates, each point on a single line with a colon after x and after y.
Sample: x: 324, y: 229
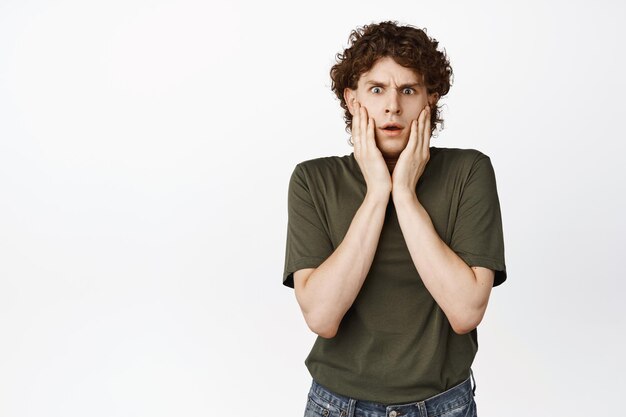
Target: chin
x: 392, y: 149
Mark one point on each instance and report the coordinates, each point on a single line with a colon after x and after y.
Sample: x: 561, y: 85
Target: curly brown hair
x: 409, y: 46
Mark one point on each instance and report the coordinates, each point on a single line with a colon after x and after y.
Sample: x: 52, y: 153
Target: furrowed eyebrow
x: 412, y: 85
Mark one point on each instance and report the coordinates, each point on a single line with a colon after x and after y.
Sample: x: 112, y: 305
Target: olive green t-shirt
x: 394, y: 344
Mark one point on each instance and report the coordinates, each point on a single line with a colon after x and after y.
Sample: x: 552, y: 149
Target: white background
x: 145, y: 153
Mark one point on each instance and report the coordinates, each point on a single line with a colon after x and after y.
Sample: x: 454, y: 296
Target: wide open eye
x: 410, y: 90
x: 374, y: 88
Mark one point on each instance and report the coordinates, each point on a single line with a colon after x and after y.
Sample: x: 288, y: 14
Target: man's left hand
x: 413, y: 159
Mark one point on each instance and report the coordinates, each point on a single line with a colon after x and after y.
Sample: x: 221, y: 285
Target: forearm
x: 334, y: 285
x: 447, y: 277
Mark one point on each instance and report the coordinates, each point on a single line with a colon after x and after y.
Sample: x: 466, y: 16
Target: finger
x: 412, y: 137
x: 355, y: 125
x: 364, y: 123
x: 371, y: 128
x: 421, y: 128
x: 426, y: 139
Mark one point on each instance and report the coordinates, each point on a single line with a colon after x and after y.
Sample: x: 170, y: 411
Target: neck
x: 391, y: 163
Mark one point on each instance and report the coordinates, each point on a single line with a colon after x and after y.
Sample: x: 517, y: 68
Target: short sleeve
x: 477, y: 236
x: 308, y: 243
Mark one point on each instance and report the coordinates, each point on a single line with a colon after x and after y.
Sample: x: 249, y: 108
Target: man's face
x: 391, y: 93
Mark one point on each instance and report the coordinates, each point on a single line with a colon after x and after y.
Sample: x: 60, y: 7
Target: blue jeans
x: 456, y: 402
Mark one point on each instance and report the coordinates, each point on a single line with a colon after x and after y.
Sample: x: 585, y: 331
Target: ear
x: 349, y: 96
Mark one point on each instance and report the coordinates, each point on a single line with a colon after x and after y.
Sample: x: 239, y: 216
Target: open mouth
x: 392, y: 130
x: 392, y: 127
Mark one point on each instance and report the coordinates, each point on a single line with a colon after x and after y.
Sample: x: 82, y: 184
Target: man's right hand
x: 367, y: 154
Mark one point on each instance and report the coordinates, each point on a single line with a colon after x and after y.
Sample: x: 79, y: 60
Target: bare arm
x: 326, y: 294
x: 461, y: 292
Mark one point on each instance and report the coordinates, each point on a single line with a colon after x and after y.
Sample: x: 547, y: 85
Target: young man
x: 393, y: 249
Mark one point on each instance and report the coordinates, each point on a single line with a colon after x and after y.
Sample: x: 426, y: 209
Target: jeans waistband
x: 332, y: 404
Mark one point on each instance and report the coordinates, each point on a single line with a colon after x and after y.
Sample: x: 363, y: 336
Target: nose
x: 393, y: 103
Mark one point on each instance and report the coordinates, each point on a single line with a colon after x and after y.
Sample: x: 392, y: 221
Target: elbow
x: 320, y: 319
x: 328, y: 333
x: 466, y: 323
x: 322, y: 326
x: 464, y: 328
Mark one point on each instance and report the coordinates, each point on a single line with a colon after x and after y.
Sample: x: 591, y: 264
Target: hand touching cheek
x: 413, y: 159
x: 367, y: 154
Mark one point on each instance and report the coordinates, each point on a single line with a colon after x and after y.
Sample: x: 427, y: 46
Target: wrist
x: 403, y: 194
x: 381, y: 196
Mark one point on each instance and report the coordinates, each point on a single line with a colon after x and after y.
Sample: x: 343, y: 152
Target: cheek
x: 417, y: 107
x: 364, y: 103
x: 368, y: 107
x: 374, y: 108
x: 421, y: 103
